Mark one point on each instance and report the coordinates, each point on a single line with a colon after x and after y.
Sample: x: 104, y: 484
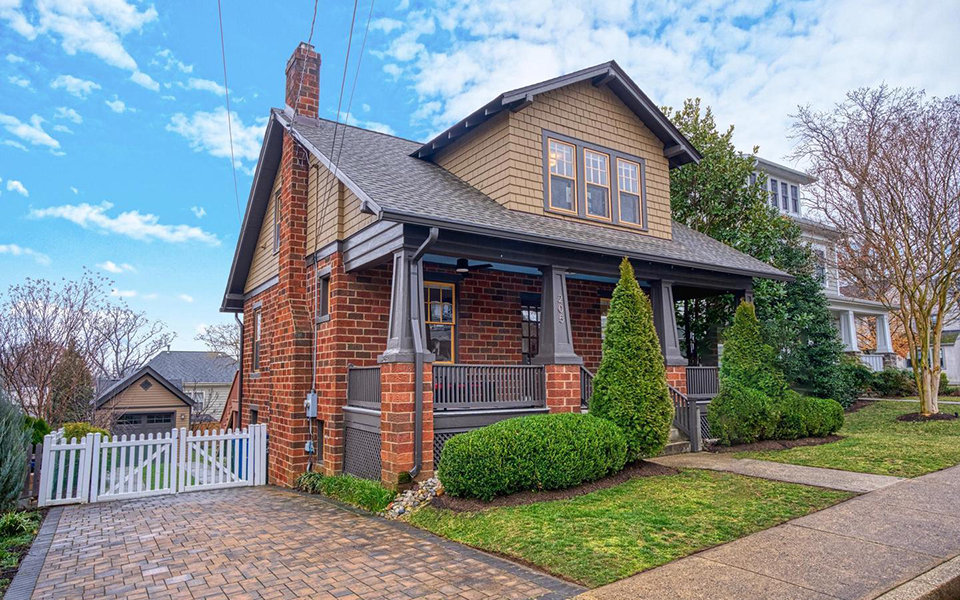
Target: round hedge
x: 794, y: 416
x: 825, y: 416
x: 740, y: 415
x: 540, y: 452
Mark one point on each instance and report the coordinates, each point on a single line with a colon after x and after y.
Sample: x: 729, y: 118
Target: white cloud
x: 15, y: 144
x: 205, y: 85
x: 365, y: 107
x: 92, y: 26
x: 74, y: 85
x: 19, y: 81
x: 141, y: 78
x: 112, y: 267
x: 15, y: 186
x: 168, y: 97
x: 62, y: 129
x: 171, y: 62
x: 15, y: 250
x: 132, y: 224
x: 117, y: 105
x: 14, y: 59
x: 68, y: 113
x: 207, y: 132
x: 386, y: 25
x: 199, y: 211
x: 185, y: 298
x: 74, y: 190
x: 753, y: 62
x: 32, y: 132
x: 123, y: 293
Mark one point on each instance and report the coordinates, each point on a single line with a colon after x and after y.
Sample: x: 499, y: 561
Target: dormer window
x: 628, y: 182
x: 596, y: 166
x: 593, y: 182
x: 563, y: 177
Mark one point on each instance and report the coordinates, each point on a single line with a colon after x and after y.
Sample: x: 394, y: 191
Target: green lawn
x: 877, y: 443
x: 13, y: 548
x: 613, y: 533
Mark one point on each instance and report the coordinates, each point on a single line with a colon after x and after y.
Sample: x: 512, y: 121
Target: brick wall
x: 677, y: 377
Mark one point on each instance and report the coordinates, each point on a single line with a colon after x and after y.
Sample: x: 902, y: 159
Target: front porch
x: 471, y: 339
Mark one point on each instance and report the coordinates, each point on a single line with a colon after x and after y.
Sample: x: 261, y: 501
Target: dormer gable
x: 587, y: 146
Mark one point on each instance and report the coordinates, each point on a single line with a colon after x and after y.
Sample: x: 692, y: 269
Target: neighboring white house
x: 785, y: 186
x: 950, y: 355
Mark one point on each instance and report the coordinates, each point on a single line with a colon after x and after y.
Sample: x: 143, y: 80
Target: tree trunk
x: 929, y: 388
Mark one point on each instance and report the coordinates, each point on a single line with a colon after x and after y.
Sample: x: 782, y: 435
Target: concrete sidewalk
x: 847, y: 481
x: 861, y: 548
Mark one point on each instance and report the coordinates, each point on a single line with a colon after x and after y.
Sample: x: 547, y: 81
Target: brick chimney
x: 304, y: 64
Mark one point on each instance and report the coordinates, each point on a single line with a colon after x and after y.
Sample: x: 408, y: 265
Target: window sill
x: 255, y: 375
x: 323, y: 319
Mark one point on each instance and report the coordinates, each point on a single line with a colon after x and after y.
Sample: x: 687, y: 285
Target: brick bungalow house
x: 426, y: 289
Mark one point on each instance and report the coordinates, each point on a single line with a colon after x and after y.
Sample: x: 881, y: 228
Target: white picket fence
x: 97, y: 468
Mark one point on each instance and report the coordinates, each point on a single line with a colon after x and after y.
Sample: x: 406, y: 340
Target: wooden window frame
x: 641, y: 211
x: 531, y: 304
x: 550, y: 175
x: 785, y: 196
x: 257, y: 334
x: 453, y: 324
x: 609, y: 187
x: 323, y: 295
x: 795, y: 198
x: 613, y: 197
x: 774, y: 193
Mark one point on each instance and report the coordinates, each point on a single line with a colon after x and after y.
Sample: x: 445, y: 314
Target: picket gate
x: 97, y: 468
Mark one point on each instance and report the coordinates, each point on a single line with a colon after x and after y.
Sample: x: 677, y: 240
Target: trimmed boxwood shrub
x: 741, y: 415
x: 793, y: 413
x: 539, y: 452
x: 630, y: 388
x: 825, y: 416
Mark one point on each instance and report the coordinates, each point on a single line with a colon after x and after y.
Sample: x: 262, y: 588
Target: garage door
x: 145, y: 423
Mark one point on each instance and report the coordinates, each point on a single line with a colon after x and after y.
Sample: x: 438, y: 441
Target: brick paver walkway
x: 249, y: 543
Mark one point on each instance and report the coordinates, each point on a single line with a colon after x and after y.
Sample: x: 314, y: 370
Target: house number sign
x: 560, y: 315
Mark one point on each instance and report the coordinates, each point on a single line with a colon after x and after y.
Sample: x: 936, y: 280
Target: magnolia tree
x: 887, y: 163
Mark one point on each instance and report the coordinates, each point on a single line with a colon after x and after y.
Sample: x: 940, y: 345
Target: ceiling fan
x: 464, y: 266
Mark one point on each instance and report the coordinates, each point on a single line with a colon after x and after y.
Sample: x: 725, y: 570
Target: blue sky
x: 113, y: 144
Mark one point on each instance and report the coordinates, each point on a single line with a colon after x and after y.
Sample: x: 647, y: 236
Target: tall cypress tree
x: 748, y: 360
x: 630, y: 388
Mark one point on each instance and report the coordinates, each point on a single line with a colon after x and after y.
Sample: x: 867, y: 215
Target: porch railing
x: 873, y: 361
x: 488, y: 386
x: 363, y: 387
x: 686, y: 417
x: 586, y: 387
x: 703, y: 382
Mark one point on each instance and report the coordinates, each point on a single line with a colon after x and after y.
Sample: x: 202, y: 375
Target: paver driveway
x: 248, y: 543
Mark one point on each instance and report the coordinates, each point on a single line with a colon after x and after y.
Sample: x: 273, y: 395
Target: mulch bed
x: 776, y: 444
x: 641, y: 468
x: 912, y: 417
x: 861, y: 403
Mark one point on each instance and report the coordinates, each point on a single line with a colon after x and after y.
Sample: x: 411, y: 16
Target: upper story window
x: 795, y: 198
x: 610, y: 183
x: 257, y: 330
x: 596, y: 166
x: 784, y: 196
x: 628, y: 182
x: 820, y: 265
x: 563, y: 178
x: 774, y: 194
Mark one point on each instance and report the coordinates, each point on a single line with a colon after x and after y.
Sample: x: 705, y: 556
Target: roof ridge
x: 332, y: 122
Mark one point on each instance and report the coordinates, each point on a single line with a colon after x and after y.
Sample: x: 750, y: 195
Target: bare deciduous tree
x: 223, y: 338
x: 887, y: 163
x: 121, y: 340
x: 39, y: 320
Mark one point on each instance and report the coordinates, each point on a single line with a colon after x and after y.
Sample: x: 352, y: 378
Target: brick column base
x: 397, y: 410
x: 563, y: 388
x: 677, y: 377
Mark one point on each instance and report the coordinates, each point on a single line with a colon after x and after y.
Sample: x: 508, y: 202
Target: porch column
x: 884, y: 342
x: 848, y: 331
x: 561, y: 363
x: 398, y: 376
x: 665, y: 322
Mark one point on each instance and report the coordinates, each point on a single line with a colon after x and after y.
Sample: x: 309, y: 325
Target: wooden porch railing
x: 703, y: 383
x: 586, y: 387
x: 488, y: 386
x: 363, y: 387
x: 686, y: 418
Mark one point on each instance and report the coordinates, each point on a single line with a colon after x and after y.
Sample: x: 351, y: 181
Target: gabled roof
x: 129, y: 380
x: 194, y: 366
x: 676, y: 147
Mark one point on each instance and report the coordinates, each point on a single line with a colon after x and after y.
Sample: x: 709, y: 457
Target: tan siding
x: 156, y: 399
x: 265, y: 263
x: 339, y: 209
x: 504, y: 157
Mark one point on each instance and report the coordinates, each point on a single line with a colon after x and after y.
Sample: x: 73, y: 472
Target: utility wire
x: 303, y: 69
x: 343, y: 84
x: 226, y: 94
x: 356, y: 76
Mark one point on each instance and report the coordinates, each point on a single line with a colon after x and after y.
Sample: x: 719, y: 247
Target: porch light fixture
x: 464, y: 266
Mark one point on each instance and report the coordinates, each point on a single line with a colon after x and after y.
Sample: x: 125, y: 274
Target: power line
x: 356, y: 76
x: 303, y: 69
x: 226, y: 94
x: 343, y: 83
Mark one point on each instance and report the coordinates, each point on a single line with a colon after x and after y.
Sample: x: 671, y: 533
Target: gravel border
x: 25, y: 581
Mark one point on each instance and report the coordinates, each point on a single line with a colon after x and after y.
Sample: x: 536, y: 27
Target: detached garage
x: 144, y: 403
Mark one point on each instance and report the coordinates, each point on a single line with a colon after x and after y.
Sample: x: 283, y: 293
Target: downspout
x: 415, y: 307
x: 240, y: 379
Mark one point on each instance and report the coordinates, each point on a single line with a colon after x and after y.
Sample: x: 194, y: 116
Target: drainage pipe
x: 240, y: 376
x: 415, y: 307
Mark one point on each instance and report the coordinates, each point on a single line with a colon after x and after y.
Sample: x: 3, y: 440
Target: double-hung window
x: 596, y: 167
x: 529, y: 327
x: 563, y: 176
x: 257, y: 330
x: 441, y: 320
x: 784, y: 195
x: 774, y: 194
x: 628, y: 182
x: 795, y: 198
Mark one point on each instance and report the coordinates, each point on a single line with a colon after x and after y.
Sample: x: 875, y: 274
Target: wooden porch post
x: 665, y: 322
x: 561, y: 362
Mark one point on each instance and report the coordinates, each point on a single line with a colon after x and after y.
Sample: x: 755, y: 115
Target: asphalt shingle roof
x: 401, y: 185
x: 194, y: 366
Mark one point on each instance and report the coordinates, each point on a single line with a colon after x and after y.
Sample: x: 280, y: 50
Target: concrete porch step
x: 676, y: 436
x: 679, y: 447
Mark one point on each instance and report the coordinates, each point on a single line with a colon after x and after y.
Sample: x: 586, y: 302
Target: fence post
x: 173, y: 459
x: 44, y: 477
x: 83, y: 473
x: 262, y: 455
x: 693, y: 409
x: 95, y: 467
x: 182, y: 461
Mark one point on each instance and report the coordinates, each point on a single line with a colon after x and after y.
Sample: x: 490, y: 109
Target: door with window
x: 441, y: 320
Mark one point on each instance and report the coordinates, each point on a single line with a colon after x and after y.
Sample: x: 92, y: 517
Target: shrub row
x: 368, y: 495
x: 540, y: 452
x: 742, y: 415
